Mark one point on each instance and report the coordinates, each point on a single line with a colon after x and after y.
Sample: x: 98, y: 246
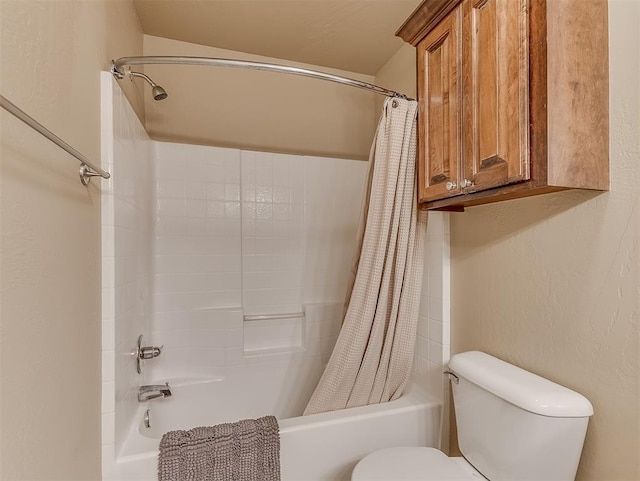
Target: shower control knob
x: 149, y: 352
x: 450, y: 185
x: 144, y: 352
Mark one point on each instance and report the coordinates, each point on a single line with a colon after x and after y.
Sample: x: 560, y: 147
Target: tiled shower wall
x: 273, y: 246
x: 333, y: 201
x: 197, y: 228
x: 127, y: 240
x: 269, y: 233
x: 191, y: 234
x: 198, y: 265
x: 248, y: 233
x: 433, y: 342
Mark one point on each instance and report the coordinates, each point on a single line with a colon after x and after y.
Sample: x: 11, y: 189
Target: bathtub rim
x: 139, y: 447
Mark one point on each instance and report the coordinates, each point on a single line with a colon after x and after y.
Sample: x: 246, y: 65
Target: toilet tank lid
x: 522, y: 388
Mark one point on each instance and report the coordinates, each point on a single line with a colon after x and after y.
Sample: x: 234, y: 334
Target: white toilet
x: 512, y: 426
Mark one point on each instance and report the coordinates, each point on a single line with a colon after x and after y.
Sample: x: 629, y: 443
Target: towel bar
x: 266, y: 317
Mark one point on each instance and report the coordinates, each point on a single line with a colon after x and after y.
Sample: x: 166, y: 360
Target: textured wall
x: 254, y: 110
x: 552, y: 283
x: 52, y: 54
x: 399, y: 74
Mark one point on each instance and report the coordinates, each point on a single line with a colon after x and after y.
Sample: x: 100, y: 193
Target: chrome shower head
x: 158, y: 92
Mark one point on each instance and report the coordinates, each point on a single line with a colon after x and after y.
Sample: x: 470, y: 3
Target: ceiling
x: 353, y: 35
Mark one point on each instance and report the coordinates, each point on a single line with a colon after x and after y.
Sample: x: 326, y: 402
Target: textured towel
x: 248, y: 450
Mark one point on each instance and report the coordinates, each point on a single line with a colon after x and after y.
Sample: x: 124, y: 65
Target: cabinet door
x: 439, y: 56
x: 496, y: 93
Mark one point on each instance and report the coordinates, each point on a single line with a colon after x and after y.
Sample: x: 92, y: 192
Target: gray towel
x: 248, y: 450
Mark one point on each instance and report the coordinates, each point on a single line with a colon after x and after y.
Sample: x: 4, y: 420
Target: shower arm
x: 117, y: 69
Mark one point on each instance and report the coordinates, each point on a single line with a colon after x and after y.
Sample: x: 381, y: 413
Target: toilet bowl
x: 413, y: 464
x: 512, y: 426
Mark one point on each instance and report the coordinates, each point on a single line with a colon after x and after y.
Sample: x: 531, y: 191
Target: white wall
x: 127, y: 247
x: 197, y: 264
x: 273, y: 248
x: 196, y: 237
x: 248, y: 233
x: 197, y: 228
x: 433, y: 343
x: 433, y: 336
x: 243, y: 233
x: 333, y: 191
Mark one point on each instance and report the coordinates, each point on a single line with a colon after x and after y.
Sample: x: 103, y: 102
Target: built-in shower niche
x: 313, y: 330
x: 274, y: 333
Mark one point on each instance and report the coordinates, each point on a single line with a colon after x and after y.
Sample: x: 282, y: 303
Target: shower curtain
x: 372, y: 359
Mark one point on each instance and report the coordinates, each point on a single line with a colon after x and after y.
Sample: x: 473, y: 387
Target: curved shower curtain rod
x: 117, y: 69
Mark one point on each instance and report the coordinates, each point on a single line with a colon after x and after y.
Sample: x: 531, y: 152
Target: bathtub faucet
x: 154, y: 391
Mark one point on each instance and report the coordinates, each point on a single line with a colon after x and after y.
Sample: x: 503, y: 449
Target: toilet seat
x: 413, y: 464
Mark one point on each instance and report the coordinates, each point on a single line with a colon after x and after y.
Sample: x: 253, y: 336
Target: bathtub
x: 318, y: 447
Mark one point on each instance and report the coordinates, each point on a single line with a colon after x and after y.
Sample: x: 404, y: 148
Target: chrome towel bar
x: 87, y: 168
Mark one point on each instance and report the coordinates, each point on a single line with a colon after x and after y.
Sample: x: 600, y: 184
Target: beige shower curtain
x: 371, y: 361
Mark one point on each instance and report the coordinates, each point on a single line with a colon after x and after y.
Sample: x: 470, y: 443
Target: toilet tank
x: 514, y: 425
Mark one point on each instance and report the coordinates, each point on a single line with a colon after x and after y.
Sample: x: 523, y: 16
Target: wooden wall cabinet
x: 439, y: 110
x: 513, y: 98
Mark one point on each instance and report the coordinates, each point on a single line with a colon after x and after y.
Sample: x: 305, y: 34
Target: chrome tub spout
x: 154, y: 391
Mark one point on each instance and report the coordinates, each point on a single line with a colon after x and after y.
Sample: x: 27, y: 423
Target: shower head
x: 158, y: 92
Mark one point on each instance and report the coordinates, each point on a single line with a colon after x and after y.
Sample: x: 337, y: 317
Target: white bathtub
x: 319, y: 447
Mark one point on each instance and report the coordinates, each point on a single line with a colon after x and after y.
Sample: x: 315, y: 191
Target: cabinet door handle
x: 466, y: 183
x: 450, y: 185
